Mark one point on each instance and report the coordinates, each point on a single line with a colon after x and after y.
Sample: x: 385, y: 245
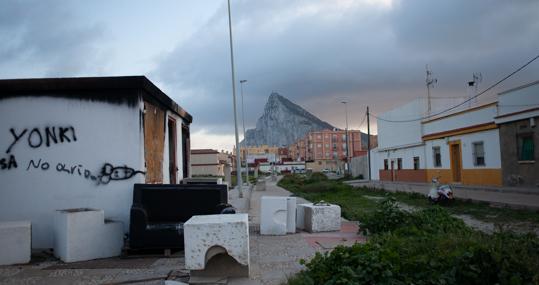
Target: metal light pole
x: 347, y: 141
x: 238, y: 162
x: 244, y: 141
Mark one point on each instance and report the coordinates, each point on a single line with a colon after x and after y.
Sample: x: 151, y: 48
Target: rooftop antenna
x: 430, y: 83
x: 477, y: 78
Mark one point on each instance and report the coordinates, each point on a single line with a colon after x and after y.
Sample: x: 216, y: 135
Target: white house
x: 83, y: 143
x: 464, y: 147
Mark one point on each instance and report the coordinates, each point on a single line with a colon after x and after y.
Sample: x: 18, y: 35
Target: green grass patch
x: 356, y: 202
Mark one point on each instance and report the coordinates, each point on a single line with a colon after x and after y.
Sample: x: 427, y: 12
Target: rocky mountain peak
x: 282, y: 123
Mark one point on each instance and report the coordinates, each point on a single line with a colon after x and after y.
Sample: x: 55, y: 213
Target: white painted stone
x: 208, y: 235
x: 290, y: 215
x: 320, y: 218
x: 15, y: 242
x: 300, y: 216
x: 273, y: 215
x: 83, y: 234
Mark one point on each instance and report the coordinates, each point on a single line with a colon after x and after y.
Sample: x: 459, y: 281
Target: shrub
x: 316, y: 177
x: 426, y: 247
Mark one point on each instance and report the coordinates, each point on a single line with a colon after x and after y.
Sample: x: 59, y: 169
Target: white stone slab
x: 209, y: 235
x: 319, y: 218
x: 273, y: 215
x: 15, y: 242
x: 300, y: 216
x: 83, y: 234
x: 290, y: 215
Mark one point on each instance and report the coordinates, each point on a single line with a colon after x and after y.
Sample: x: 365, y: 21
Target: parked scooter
x: 440, y: 193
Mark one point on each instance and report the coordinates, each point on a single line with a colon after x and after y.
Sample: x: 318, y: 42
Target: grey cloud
x: 366, y: 54
x: 43, y: 38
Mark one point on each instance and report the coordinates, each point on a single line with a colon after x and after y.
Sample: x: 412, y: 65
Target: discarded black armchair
x: 160, y: 210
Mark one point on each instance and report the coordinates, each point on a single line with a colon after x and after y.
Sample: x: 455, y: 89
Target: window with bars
x: 416, y: 162
x: 478, y: 152
x: 526, y: 147
x: 436, y: 156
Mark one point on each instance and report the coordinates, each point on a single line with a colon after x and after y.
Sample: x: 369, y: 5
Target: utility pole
x: 347, y: 141
x: 369, y: 141
x: 238, y: 161
x: 244, y: 139
x: 430, y: 82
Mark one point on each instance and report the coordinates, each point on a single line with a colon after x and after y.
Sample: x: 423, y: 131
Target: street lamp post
x: 238, y: 162
x: 347, y: 141
x: 244, y: 139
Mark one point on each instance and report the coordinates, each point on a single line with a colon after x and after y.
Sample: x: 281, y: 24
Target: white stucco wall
x: 375, y: 164
x: 407, y: 155
x: 105, y: 133
x: 392, y: 134
x: 518, y: 100
x: 491, y: 145
x: 463, y: 120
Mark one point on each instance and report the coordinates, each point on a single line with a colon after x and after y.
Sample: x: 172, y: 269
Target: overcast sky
x: 316, y: 53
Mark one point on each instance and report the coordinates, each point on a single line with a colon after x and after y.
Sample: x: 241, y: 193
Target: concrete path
x: 511, y: 197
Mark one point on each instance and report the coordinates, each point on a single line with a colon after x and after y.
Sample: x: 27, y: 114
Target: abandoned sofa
x: 159, y: 211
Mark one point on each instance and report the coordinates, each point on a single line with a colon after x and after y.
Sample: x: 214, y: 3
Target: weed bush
x: 316, y: 177
x: 426, y: 247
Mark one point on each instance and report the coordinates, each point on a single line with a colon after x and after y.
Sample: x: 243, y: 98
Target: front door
x: 172, y: 142
x: 392, y: 170
x: 456, y: 161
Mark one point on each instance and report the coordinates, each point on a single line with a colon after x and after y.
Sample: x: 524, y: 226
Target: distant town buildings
x: 209, y: 162
x: 328, y: 149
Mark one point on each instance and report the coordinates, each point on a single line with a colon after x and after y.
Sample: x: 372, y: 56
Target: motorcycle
x: 440, y: 193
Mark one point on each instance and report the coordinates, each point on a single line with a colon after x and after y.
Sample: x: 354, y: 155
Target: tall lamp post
x: 238, y: 162
x: 347, y: 142
x: 244, y: 140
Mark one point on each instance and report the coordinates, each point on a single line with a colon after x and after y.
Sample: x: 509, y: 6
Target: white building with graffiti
x: 83, y: 143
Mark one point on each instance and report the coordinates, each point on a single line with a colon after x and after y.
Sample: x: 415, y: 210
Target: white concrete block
x: 83, y: 234
x: 273, y: 215
x: 322, y: 218
x: 290, y: 215
x: 15, y: 242
x: 209, y: 235
x: 300, y: 216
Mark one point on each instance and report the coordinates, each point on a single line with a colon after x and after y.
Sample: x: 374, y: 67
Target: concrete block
x: 300, y: 216
x: 322, y: 218
x: 217, y: 245
x: 84, y: 234
x: 273, y: 215
x: 15, y: 242
x: 290, y: 215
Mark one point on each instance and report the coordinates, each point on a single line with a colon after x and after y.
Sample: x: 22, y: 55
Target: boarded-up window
x: 154, y: 142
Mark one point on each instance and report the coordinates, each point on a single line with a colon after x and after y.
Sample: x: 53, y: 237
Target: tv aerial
x: 430, y: 83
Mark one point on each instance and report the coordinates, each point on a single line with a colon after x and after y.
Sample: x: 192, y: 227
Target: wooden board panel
x: 154, y: 142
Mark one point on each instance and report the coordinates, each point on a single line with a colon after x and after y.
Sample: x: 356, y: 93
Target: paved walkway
x: 273, y: 258
x: 512, y: 197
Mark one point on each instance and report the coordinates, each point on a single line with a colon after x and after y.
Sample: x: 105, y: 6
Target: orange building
x: 329, y: 145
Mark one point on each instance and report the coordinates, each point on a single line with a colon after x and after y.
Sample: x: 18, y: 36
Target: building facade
x: 464, y: 147
x: 517, y: 117
x: 209, y: 162
x: 83, y: 143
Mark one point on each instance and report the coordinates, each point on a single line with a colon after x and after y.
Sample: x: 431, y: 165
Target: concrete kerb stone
x: 273, y: 215
x: 84, y: 234
x: 322, y: 218
x: 214, y: 239
x: 15, y: 242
